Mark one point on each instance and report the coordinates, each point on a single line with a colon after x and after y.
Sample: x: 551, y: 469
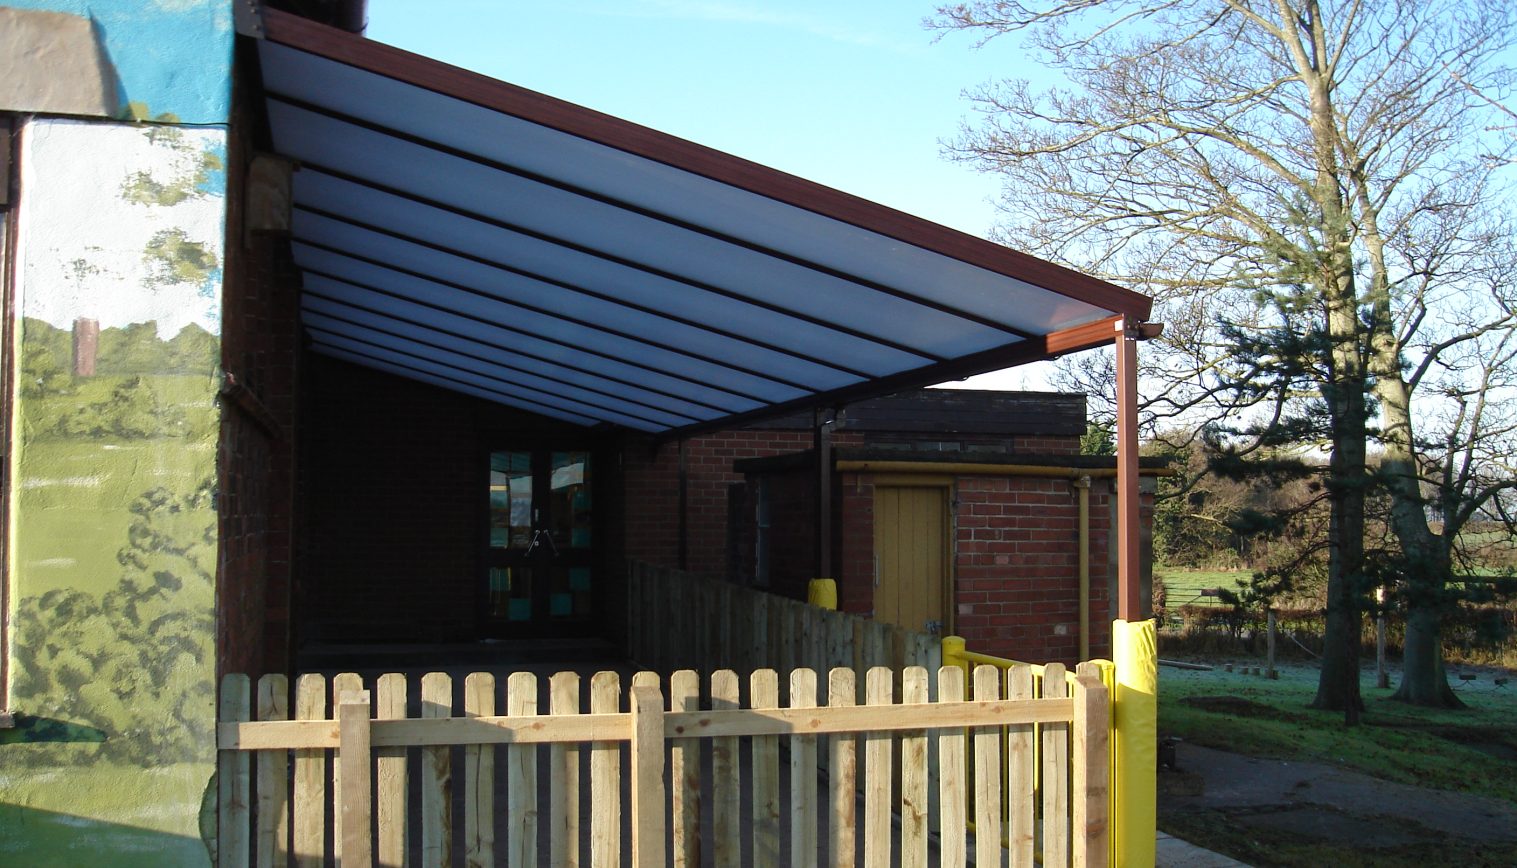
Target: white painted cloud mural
x: 148, y: 248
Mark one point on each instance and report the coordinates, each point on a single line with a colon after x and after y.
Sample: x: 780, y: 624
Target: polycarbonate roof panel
x: 483, y: 238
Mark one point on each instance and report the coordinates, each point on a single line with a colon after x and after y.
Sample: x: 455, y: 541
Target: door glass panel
x: 570, y: 500
x: 510, y: 500
x: 571, y: 592
x: 511, y: 593
x: 539, y: 568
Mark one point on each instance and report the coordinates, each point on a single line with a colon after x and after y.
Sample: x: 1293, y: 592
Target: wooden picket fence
x: 678, y: 620
x: 334, y: 787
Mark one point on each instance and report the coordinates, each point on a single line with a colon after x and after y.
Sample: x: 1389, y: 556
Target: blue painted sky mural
x: 172, y: 57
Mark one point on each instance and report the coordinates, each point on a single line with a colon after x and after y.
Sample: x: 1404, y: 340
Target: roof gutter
x: 965, y: 469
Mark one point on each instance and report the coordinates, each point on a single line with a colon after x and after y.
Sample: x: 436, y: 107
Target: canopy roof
x: 468, y: 233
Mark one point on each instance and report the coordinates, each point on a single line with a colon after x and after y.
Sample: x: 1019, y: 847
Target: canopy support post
x: 1130, y: 606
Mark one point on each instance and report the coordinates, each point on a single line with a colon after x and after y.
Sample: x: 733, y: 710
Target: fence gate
x: 667, y: 773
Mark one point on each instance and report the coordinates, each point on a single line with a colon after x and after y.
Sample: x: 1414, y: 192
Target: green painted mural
x: 113, y: 528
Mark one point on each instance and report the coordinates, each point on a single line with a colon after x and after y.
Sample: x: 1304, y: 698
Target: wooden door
x: 912, y: 586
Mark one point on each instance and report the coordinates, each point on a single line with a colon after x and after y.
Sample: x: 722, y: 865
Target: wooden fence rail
x: 359, y: 763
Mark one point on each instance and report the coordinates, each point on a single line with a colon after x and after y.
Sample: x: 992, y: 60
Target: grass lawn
x: 1472, y: 750
x: 1183, y: 587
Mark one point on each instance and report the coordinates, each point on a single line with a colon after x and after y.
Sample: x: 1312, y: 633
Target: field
x: 1184, y: 587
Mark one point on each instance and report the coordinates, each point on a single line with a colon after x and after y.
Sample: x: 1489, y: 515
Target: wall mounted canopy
x: 472, y: 234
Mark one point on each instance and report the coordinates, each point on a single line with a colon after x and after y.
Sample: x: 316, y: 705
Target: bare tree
x: 1312, y: 176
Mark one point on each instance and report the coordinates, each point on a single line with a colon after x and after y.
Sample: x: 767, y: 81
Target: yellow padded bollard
x: 1135, y: 743
x: 823, y: 593
x: 953, y: 653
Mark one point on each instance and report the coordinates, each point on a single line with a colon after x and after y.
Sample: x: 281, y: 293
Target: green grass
x: 1183, y: 587
x: 1424, y: 747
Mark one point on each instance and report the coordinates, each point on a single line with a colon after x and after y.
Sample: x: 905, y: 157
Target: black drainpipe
x: 684, y: 499
x: 822, y: 440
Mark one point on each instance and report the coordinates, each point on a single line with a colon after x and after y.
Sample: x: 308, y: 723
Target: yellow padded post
x: 823, y: 593
x: 1135, y: 743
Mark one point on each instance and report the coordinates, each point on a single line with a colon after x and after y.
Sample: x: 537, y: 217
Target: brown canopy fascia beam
x: 1049, y: 346
x: 433, y: 75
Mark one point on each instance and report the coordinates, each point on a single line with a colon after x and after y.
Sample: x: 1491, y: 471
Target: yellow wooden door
x: 911, y: 556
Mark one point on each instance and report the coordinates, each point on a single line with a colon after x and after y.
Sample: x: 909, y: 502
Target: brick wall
x: 1046, y: 445
x: 652, y: 494
x: 260, y: 342
x: 856, y: 544
x: 393, y: 487
x: 1018, y: 593
x: 1016, y: 561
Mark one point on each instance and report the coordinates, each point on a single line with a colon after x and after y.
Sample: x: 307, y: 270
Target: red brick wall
x: 1046, y: 445
x: 856, y: 544
x: 652, y: 494
x: 255, y: 463
x: 1018, y: 552
x: 393, y: 488
x: 1016, y: 562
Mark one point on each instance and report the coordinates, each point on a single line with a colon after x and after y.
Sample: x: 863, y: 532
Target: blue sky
x: 852, y: 94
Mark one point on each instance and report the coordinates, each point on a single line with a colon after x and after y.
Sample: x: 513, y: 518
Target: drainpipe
x: 1083, y: 486
x: 822, y: 444
x: 351, y: 15
x: 683, y: 543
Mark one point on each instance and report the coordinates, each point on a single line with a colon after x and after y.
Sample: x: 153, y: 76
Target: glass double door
x: 539, y: 564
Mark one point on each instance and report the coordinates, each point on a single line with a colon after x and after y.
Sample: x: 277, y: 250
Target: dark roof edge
x: 806, y: 459
x: 1094, y: 334
x: 486, y: 92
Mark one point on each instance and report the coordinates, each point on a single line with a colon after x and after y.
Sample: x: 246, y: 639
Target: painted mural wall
x: 172, y: 58
x: 113, y: 531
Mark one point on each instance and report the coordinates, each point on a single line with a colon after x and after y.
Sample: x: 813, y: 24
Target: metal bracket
x: 247, y: 16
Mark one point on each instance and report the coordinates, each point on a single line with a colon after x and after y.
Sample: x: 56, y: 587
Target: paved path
x: 1314, y: 800
x: 1174, y: 853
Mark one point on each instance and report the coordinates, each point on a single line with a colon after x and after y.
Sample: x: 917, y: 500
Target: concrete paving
x: 1174, y: 853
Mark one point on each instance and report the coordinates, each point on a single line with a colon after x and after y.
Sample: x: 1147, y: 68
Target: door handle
x: 540, y: 535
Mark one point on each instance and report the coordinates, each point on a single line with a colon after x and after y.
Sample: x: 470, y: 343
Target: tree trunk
x: 1423, y: 679
x: 1344, y: 390
x: 1338, y: 679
